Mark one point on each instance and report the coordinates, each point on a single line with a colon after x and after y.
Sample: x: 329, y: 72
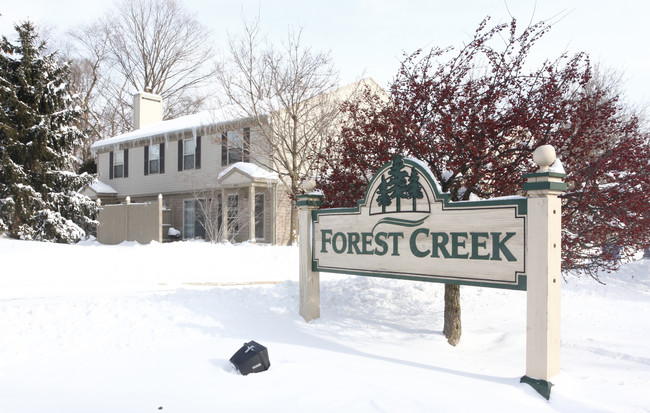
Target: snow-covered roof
x: 198, y: 122
x: 102, y: 188
x: 250, y: 169
x: 97, y: 189
x: 195, y: 123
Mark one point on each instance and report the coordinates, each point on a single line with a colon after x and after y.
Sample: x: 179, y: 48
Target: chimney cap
x: 147, y: 109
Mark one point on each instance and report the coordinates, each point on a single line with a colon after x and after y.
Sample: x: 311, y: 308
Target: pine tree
x: 38, y: 198
x: 384, y: 198
x: 413, y: 188
x: 397, y: 185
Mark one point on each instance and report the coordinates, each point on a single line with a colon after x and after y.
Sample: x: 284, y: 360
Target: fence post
x: 544, y: 271
x: 309, y: 279
x: 127, y: 228
x: 160, y: 218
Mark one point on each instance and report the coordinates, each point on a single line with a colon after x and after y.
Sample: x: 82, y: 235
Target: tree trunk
x: 293, y: 225
x: 452, y: 329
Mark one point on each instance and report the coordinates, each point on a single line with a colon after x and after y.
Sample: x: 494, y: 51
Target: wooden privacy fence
x: 131, y: 222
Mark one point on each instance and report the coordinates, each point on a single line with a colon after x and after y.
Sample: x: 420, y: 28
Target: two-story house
x: 202, y: 167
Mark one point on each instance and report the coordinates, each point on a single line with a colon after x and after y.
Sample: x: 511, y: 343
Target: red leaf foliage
x: 476, y: 114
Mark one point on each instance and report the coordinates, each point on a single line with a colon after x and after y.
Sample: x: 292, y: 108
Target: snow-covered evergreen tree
x: 38, y: 188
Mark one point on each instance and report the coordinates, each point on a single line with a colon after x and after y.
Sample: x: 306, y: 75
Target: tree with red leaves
x: 475, y: 115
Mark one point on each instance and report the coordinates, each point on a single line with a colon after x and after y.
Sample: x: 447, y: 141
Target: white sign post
x: 544, y: 272
x: 406, y: 227
x: 309, y: 279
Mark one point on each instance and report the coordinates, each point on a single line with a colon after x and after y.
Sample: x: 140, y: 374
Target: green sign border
x: 519, y: 204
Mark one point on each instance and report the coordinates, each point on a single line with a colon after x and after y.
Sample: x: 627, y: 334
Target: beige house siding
x: 172, y: 180
x: 283, y: 217
x: 174, y: 204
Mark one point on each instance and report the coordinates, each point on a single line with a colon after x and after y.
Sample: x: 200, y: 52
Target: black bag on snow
x: 252, y: 357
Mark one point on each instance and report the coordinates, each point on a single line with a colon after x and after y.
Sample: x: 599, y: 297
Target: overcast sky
x: 367, y: 37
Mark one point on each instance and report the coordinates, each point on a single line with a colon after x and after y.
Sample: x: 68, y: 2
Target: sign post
x: 309, y: 279
x: 544, y: 273
x: 405, y: 227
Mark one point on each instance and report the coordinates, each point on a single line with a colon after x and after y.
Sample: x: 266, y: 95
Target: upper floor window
x: 118, y: 164
x: 154, y: 159
x: 189, y: 154
x: 235, y: 146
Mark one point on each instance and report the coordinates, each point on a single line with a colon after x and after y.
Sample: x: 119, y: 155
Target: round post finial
x: 308, y: 185
x: 544, y: 156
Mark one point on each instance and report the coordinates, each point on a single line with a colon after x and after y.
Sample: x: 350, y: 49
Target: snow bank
x: 135, y: 328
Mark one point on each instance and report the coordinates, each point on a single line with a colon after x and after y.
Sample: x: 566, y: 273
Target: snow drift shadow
x: 353, y: 310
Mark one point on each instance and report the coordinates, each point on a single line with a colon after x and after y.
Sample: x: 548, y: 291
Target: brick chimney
x: 147, y: 109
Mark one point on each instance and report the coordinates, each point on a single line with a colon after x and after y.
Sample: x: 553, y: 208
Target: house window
x: 259, y: 216
x: 233, y: 214
x: 118, y: 164
x: 235, y: 146
x: 154, y: 159
x: 194, y: 218
x: 189, y: 153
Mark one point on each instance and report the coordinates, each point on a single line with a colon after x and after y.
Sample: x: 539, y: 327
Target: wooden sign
x: 405, y: 227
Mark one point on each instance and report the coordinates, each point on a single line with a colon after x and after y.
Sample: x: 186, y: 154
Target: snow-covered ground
x: 144, y: 328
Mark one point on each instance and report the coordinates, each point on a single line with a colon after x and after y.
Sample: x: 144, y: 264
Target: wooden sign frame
x: 423, y: 237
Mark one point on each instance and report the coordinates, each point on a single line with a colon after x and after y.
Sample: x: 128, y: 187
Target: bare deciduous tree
x: 88, y: 58
x: 156, y: 45
x: 209, y: 204
x: 284, y: 92
x: 153, y: 45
